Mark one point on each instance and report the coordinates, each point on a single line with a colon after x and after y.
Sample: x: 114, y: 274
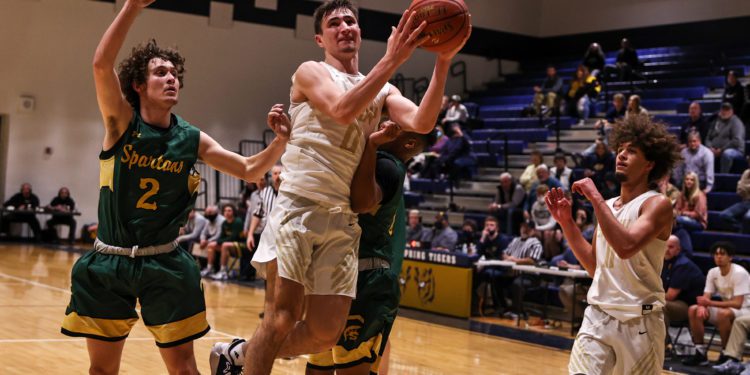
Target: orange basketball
x: 447, y: 23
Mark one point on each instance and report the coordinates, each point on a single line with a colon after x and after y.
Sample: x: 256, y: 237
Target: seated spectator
x: 508, y: 204
x: 634, y: 107
x: 444, y: 238
x: 523, y: 250
x: 735, y: 347
x: 616, y: 112
x: 584, y: 88
x: 627, y: 62
x: 732, y: 283
x: 544, y: 223
x: 737, y: 216
x: 691, y: 211
x: 734, y: 93
x: 599, y: 164
x: 63, y: 203
x: 454, y: 158
x: 560, y: 171
x: 593, y: 59
x: 695, y: 123
x: 545, y: 96
x: 490, y: 247
x: 422, y: 165
x: 543, y: 178
x: 416, y: 234
x: 191, y: 233
x: 24, y: 204
x: 697, y: 159
x: 468, y: 238
x: 210, y: 235
x: 457, y: 114
x: 726, y: 138
x: 528, y: 177
x: 683, y: 282
x: 230, y: 242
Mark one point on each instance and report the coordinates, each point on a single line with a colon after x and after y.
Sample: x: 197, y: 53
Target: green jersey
x: 147, y: 184
x: 380, y: 227
x: 231, y: 232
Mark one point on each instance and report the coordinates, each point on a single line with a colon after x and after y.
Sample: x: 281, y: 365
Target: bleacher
x: 673, y: 77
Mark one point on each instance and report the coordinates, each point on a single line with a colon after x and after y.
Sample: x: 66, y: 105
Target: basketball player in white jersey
x: 312, y: 229
x: 623, y: 328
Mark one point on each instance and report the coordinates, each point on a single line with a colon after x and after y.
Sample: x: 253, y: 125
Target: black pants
x: 64, y: 220
x: 28, y: 218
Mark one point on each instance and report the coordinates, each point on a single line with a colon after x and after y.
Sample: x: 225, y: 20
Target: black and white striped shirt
x: 528, y: 248
x: 267, y: 200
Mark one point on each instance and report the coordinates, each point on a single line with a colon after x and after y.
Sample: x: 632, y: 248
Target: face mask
x: 438, y: 225
x: 468, y: 234
x: 211, y: 218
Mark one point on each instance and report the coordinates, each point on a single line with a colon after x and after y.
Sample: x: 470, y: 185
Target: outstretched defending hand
x: 141, y: 3
x: 388, y: 131
x: 450, y: 54
x: 279, y: 122
x: 559, y: 206
x: 587, y: 188
x: 402, y: 43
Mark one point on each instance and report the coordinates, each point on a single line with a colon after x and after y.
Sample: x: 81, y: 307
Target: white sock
x: 237, y: 354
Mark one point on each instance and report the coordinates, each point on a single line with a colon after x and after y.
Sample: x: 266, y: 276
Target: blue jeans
x: 737, y: 216
x: 728, y: 156
x: 689, y: 224
x: 583, y: 107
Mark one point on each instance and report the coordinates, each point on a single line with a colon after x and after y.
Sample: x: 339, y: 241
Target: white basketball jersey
x: 628, y: 288
x: 322, y: 155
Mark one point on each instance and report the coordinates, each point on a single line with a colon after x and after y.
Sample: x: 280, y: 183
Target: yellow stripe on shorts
x: 105, y: 328
x: 181, y: 329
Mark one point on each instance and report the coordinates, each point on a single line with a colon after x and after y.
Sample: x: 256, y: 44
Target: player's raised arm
x: 655, y: 219
x: 312, y: 82
x: 560, y: 208
x: 422, y: 118
x: 249, y: 168
x: 366, y: 193
x: 116, y: 112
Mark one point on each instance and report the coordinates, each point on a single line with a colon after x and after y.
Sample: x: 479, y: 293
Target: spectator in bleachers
x: 528, y: 177
x: 611, y: 186
x: 670, y: 191
x: 732, y: 283
x: 543, y: 177
x: 698, y: 159
x: 584, y: 88
x: 560, y: 171
x: 468, y: 237
x: 24, y: 200
x: 454, y: 158
x: 546, y: 95
x: 444, y: 238
x: 62, y: 206
x: 545, y: 224
x: 416, y: 234
x: 635, y: 107
x: 734, y: 93
x: 508, y: 203
x: 230, y: 242
x: 726, y: 138
x: 683, y: 282
x: 210, y: 234
x: 627, y: 62
x: 696, y: 123
x: 457, y: 114
x: 616, y: 112
x: 737, y: 216
x: 593, y: 59
x: 599, y: 164
x: 490, y: 246
x: 191, y: 233
x: 691, y: 211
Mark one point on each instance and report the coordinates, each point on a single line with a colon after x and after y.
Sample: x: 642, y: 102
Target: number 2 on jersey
x: 153, y: 185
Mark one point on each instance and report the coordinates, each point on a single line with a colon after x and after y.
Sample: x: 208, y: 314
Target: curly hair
x: 134, y: 69
x: 653, y: 139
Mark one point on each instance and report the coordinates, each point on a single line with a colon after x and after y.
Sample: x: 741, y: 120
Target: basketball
x: 447, y: 23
